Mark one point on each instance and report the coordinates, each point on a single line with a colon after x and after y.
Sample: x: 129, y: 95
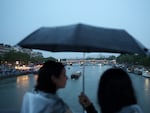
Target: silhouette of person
x: 115, y: 94
x: 51, y: 77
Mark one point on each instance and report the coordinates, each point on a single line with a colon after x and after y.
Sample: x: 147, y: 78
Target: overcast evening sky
x: 18, y: 18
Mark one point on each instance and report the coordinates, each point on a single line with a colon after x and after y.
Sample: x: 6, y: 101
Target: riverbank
x: 17, y: 74
x: 7, y: 71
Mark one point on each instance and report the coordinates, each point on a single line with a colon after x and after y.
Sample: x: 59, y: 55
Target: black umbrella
x: 83, y: 38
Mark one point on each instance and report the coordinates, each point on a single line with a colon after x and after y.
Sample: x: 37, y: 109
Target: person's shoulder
x: 28, y: 95
x: 137, y: 108
x: 131, y: 109
x: 41, y: 97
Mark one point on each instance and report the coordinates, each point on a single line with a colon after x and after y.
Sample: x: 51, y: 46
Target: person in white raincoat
x: 51, y: 77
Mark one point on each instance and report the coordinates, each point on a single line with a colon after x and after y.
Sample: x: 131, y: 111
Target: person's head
x: 115, y: 91
x: 51, y: 76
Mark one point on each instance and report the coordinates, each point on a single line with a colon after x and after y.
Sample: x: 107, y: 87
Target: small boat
x: 146, y: 74
x: 76, y: 75
x: 130, y: 69
x: 138, y: 71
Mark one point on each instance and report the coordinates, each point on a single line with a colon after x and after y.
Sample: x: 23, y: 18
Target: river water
x: 13, y: 89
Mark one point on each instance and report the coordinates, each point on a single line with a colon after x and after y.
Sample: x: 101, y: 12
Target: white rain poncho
x: 40, y: 102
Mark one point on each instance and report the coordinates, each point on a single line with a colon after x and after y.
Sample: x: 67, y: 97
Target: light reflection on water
x: 147, y: 85
x: 13, y: 89
x: 23, y: 80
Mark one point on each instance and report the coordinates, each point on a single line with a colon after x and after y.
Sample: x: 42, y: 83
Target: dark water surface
x: 13, y: 89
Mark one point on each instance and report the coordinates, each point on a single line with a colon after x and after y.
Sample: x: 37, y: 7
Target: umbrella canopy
x: 83, y: 38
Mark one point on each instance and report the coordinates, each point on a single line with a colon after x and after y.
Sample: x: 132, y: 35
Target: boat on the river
x: 76, y: 75
x: 138, y: 71
x: 146, y: 74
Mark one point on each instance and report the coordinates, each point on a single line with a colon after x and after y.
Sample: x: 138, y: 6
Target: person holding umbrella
x: 115, y: 94
x: 44, y: 99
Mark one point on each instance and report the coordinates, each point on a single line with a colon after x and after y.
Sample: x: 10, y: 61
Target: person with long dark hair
x: 115, y: 94
x: 44, y: 98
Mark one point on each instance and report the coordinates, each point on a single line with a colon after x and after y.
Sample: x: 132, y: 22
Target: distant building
x: 36, y: 54
x: 5, y: 48
x: 28, y: 51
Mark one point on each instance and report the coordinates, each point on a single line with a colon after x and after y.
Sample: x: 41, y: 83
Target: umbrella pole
x: 83, y: 71
x: 83, y: 77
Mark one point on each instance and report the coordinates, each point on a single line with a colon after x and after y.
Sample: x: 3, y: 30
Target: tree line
x: 129, y: 59
x: 134, y: 59
x: 24, y: 58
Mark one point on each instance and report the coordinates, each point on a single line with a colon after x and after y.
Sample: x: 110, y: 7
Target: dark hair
x: 44, y: 82
x: 115, y: 91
